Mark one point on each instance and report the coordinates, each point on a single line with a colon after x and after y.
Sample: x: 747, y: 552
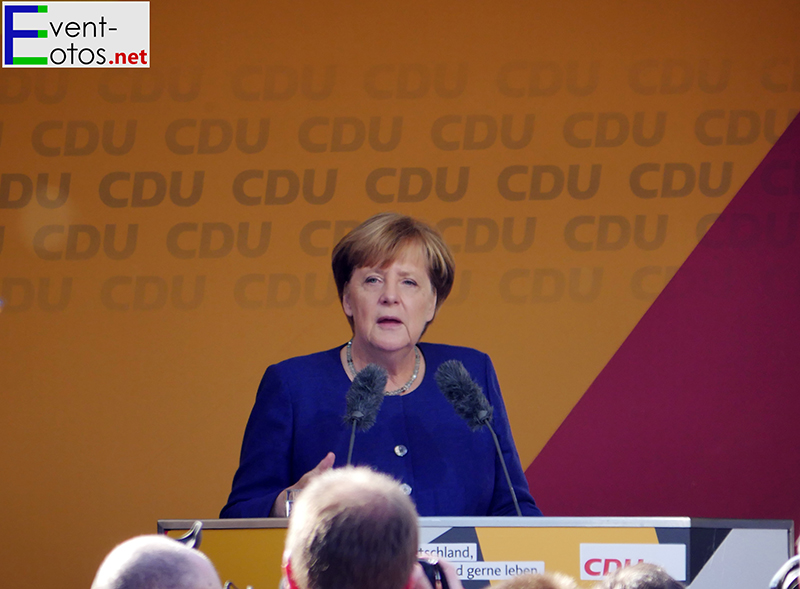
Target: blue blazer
x: 417, y: 438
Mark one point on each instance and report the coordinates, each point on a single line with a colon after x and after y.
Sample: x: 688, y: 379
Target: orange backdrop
x: 165, y: 233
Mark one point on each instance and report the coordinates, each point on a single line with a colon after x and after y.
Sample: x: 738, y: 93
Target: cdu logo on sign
x: 76, y: 34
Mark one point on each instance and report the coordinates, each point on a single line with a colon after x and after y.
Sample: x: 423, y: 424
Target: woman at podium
x: 392, y: 273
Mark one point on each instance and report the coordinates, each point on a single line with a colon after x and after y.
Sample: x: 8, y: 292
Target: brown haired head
x: 352, y: 528
x: 383, y: 238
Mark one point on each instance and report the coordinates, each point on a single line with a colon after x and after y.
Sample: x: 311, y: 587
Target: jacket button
x: 406, y: 489
x: 400, y: 450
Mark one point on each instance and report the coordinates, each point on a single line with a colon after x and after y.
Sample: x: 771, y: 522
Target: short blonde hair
x: 538, y: 581
x: 381, y: 239
x: 352, y: 528
x: 640, y: 576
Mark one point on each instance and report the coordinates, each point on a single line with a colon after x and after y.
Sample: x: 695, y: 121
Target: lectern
x: 702, y: 553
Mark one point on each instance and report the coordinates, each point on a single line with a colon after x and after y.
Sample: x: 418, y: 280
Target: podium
x: 702, y: 553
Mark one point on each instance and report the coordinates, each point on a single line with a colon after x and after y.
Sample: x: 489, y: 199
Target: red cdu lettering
x: 588, y: 567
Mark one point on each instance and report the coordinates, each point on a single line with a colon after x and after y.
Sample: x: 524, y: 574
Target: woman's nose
x: 389, y: 293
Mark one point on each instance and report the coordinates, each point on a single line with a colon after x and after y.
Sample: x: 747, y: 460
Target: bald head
x: 155, y: 562
x: 352, y: 528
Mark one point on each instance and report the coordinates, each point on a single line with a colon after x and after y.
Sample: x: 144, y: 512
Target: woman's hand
x: 279, y: 507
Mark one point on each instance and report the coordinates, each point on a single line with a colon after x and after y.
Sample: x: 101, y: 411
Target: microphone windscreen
x: 464, y: 394
x: 365, y: 396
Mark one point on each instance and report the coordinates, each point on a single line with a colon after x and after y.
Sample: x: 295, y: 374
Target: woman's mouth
x: 389, y: 321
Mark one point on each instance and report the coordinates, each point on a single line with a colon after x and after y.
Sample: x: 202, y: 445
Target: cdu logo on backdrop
x: 76, y: 34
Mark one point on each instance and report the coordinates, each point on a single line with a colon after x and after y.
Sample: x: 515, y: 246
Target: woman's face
x: 390, y: 306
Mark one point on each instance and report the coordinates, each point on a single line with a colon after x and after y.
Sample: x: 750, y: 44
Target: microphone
x: 364, y: 398
x: 464, y: 394
x: 467, y: 398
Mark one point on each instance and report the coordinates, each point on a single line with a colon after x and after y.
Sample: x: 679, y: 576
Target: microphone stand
x: 357, y: 416
x: 505, y: 468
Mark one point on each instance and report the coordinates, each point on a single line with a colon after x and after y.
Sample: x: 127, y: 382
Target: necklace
x: 395, y: 392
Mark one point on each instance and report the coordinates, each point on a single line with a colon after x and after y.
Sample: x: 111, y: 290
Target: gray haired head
x: 155, y: 562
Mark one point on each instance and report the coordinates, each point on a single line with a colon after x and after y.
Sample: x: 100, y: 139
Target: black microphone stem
x: 352, y: 441
x: 505, y: 470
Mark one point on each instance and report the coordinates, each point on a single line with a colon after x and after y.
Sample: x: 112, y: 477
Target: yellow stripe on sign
x: 559, y: 548
x: 246, y: 557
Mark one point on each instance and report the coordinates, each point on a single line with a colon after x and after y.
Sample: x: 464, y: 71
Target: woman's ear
x: 348, y: 310
x: 432, y: 310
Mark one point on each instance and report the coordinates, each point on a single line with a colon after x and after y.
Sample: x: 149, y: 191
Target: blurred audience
x: 639, y: 576
x: 352, y: 528
x: 538, y: 581
x: 155, y: 562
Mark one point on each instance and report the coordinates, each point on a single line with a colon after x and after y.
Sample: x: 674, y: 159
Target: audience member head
x: 351, y: 528
x: 639, y: 576
x: 538, y: 581
x: 155, y: 562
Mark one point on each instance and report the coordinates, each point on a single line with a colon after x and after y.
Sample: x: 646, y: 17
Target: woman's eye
x: 410, y: 282
x: 371, y: 279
